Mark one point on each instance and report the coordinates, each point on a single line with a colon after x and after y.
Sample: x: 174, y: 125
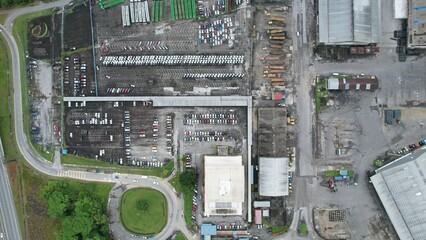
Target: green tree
x: 76, y: 227
x: 187, y: 180
x: 142, y: 205
x: 57, y: 205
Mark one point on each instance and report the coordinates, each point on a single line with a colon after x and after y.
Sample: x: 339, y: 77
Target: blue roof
x: 208, y: 229
x: 64, y: 151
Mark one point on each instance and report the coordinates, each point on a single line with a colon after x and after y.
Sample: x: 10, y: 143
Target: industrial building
x: 223, y: 185
x: 416, y: 24
x: 362, y: 83
x: 349, y: 22
x: 401, y: 186
x: 272, y: 130
x: 273, y: 176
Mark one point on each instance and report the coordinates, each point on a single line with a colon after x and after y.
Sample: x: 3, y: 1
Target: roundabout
x: 143, y: 211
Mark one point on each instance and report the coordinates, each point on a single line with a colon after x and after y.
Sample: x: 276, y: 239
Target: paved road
x: 9, y: 221
x: 56, y: 170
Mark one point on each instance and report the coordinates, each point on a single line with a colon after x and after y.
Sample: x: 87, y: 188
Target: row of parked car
x: 145, y: 60
x: 169, y: 133
x: 80, y: 69
x: 127, y: 135
x: 213, y: 75
x: 194, y: 203
x: 411, y: 147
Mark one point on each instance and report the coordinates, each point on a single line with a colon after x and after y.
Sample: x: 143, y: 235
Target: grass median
x: 82, y: 162
x: 143, y: 211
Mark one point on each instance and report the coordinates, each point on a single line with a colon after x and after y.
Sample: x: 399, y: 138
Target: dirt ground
x: 44, y: 37
x: 77, y: 28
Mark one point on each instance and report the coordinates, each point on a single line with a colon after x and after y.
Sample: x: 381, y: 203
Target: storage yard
x: 166, y: 57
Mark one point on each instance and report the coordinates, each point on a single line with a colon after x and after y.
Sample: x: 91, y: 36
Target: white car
x: 155, y: 183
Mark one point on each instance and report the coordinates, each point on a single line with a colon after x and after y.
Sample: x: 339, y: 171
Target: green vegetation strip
x: 143, y: 211
x: 77, y: 161
x: 185, y: 183
x: 6, y: 102
x: 335, y: 173
x: 321, y: 95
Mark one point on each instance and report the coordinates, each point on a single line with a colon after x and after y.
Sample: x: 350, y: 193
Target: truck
x: 276, y: 42
x: 277, y: 23
x: 275, y: 18
x: 276, y: 62
x: 273, y: 31
x: 276, y: 67
x: 276, y: 46
x: 269, y: 58
x: 276, y: 52
x: 276, y: 71
x: 277, y: 79
x: 277, y: 38
x: 35, y: 130
x: 282, y: 34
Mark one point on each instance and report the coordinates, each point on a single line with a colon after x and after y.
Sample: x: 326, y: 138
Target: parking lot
x: 164, y: 58
x: 78, y: 75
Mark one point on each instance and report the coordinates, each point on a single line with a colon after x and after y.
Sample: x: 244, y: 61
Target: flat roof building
x: 416, y: 24
x: 273, y: 177
x: 401, y: 186
x: 350, y: 83
x: 349, y: 22
x: 223, y: 185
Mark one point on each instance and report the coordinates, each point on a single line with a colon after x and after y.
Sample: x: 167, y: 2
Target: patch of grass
x: 77, y: 161
x: 278, y: 229
x: 3, y: 19
x: 180, y: 236
x: 174, y: 181
x: 303, y: 230
x: 321, y: 95
x: 6, y: 103
x: 149, y: 220
x: 48, y: 154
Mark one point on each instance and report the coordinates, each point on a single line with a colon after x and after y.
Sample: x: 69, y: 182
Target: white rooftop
x: 401, y: 186
x: 273, y: 176
x: 224, y: 185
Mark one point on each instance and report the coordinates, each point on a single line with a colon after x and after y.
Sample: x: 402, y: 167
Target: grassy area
x: 83, y: 162
x: 180, y: 236
x: 303, y: 230
x: 335, y: 173
x: 187, y: 199
x: 143, y: 211
x: 3, y: 18
x: 20, y: 29
x: 38, y: 224
x: 321, y: 95
x: 6, y: 103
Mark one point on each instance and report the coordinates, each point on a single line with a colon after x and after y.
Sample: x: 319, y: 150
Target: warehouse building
x: 273, y: 176
x: 401, y: 186
x: 224, y: 185
x: 349, y: 22
x: 351, y: 83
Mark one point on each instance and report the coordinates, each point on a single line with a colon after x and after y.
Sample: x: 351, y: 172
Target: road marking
x: 72, y: 174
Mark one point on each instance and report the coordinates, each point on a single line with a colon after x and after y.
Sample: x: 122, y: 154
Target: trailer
x: 276, y: 71
x: 272, y: 31
x: 276, y: 67
x: 277, y: 79
x: 277, y: 23
x: 275, y: 18
x: 277, y: 52
x: 277, y: 38
x: 276, y: 62
x: 279, y: 42
x: 276, y: 46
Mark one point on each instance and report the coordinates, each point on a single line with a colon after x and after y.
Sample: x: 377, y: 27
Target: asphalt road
x: 9, y: 226
x: 56, y: 170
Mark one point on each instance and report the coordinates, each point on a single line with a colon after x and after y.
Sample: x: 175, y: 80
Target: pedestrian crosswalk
x: 72, y: 174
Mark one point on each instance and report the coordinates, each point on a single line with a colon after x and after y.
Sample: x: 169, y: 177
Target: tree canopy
x: 187, y: 180
x: 10, y: 3
x: 81, y: 213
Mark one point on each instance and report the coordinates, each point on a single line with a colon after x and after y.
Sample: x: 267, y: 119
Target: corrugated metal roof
x: 208, y: 229
x: 273, y: 177
x: 333, y: 84
x: 349, y: 21
x: 401, y: 187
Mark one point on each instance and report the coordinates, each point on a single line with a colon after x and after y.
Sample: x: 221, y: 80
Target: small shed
x: 64, y: 151
x: 258, y: 216
x: 278, y: 96
x: 208, y: 230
